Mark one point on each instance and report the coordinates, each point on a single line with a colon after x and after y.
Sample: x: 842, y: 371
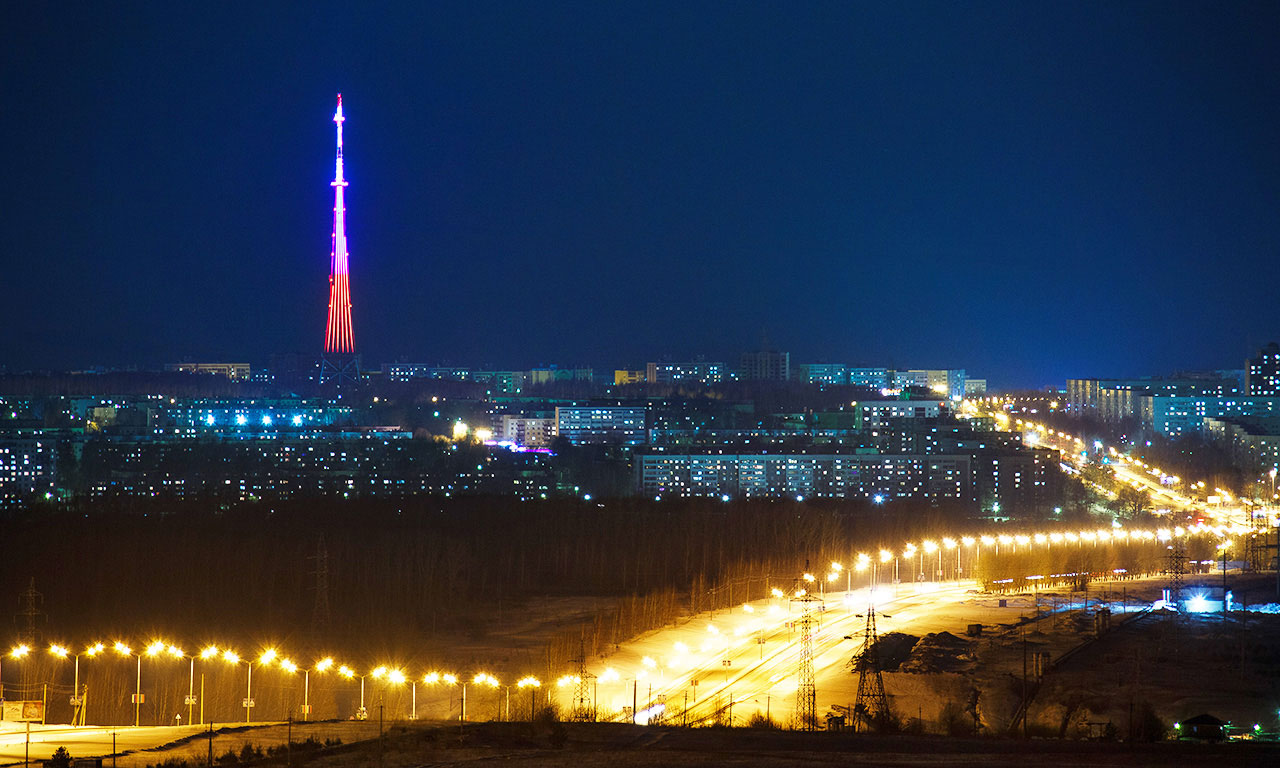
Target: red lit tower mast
x: 339, y: 364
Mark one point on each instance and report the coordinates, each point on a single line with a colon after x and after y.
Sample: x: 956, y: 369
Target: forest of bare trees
x: 410, y: 579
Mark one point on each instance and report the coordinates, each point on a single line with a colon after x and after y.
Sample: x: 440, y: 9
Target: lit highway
x: 761, y: 677
x: 82, y: 741
x: 1224, y: 508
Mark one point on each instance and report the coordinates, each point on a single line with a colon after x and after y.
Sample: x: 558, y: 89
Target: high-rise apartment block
x: 26, y: 468
x: 602, y: 424
x: 765, y: 365
x: 696, y: 372
x: 1263, y: 372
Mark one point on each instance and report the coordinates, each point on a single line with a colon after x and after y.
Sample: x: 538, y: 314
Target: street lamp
x: 450, y: 680
x: 481, y: 678
x: 177, y: 653
x: 156, y: 648
x: 77, y: 703
x: 861, y: 563
x: 392, y: 677
x: 125, y: 650
x: 836, y: 568
x: 885, y: 557
x: 436, y: 678
x: 16, y: 652
x: 930, y: 547
x: 233, y: 658
x: 289, y: 667
x: 397, y: 677
x: 269, y: 657
x: 377, y: 674
x: 321, y: 667
x: 533, y: 684
x: 208, y: 652
x: 348, y: 673
x: 968, y: 541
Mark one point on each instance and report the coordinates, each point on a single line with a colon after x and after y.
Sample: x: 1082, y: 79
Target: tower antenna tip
x: 339, y: 99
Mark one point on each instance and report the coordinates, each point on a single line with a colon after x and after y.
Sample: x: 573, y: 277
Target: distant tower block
x: 339, y: 364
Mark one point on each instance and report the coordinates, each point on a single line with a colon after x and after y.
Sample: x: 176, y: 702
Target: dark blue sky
x: 1028, y: 190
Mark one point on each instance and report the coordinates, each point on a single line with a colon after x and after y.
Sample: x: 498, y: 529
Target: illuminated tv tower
x: 339, y: 364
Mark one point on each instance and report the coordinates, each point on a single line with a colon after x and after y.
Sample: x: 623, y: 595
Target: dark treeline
x: 413, y: 568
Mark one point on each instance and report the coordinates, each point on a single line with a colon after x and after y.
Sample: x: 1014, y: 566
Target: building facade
x: 233, y: 371
x: 697, y: 372
x: 788, y: 475
x: 1254, y: 443
x: 602, y: 424
x: 524, y: 430
x: 1177, y: 415
x: 27, y: 468
x: 765, y: 365
x: 878, y: 413
x: 1263, y: 372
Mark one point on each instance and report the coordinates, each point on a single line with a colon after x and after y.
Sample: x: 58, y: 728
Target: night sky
x: 1029, y: 190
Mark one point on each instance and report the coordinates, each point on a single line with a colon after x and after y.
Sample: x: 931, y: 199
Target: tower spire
x: 338, y: 338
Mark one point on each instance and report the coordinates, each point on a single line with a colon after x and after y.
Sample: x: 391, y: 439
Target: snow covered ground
x: 743, y: 662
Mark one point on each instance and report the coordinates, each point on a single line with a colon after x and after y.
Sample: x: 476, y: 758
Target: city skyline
x: 906, y: 187
x: 731, y: 371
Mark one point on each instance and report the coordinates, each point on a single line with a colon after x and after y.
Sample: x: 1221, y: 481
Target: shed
x: 1205, y: 727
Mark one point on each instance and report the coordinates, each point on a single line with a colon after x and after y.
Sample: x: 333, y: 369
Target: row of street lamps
x: 268, y: 658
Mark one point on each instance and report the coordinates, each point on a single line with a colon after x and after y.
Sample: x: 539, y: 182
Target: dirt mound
x: 893, y: 648
x: 940, y: 652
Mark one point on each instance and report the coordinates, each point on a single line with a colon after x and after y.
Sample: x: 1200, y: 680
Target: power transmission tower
x: 807, y: 687
x: 320, y: 611
x: 872, y: 706
x: 1257, y: 545
x: 583, y: 710
x: 1175, y: 569
x: 30, y: 614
